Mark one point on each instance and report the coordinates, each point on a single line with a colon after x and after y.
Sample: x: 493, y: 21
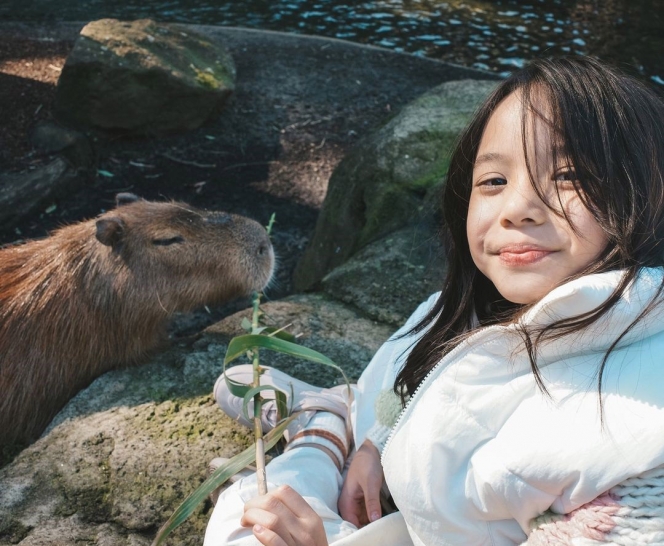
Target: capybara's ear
x: 110, y: 230
x: 125, y: 198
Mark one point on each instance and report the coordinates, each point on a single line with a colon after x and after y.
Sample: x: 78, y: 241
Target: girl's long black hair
x: 611, y: 128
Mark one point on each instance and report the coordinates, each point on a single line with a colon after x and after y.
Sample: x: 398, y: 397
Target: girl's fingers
x: 294, y: 501
x: 283, y: 513
x: 372, y: 498
x: 267, y: 537
x: 350, y: 505
x: 283, y: 501
x: 359, y: 501
x: 264, y: 518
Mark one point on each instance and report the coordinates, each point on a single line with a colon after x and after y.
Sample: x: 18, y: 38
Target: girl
x: 533, y: 381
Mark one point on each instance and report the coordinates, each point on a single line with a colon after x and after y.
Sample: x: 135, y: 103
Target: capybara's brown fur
x: 97, y: 295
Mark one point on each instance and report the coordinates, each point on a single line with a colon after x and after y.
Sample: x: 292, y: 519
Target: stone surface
x: 143, y: 77
x: 126, y: 451
x: 389, y: 278
x: 49, y: 137
x: 328, y: 326
x: 384, y: 182
x: 25, y: 193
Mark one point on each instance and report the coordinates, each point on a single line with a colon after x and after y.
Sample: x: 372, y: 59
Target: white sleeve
x: 381, y: 372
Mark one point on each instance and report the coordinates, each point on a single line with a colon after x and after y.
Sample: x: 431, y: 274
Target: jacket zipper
x: 446, y: 359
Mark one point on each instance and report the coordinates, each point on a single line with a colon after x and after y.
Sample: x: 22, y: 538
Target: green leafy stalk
x: 239, y: 345
x: 268, y: 228
x: 261, y: 477
x: 258, y: 402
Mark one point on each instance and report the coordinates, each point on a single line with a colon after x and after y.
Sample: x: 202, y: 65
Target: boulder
x: 330, y: 327
x: 390, y: 277
x: 127, y: 450
x: 386, y: 180
x: 143, y: 77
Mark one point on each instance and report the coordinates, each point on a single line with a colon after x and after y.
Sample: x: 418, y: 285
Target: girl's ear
x: 110, y: 231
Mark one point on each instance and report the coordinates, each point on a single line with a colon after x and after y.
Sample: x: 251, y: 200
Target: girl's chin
x: 524, y: 291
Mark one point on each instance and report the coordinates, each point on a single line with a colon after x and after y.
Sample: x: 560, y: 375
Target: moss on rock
x: 143, y: 77
x: 380, y: 186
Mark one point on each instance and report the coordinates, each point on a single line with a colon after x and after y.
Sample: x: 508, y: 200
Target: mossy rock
x: 143, y: 77
x: 386, y: 180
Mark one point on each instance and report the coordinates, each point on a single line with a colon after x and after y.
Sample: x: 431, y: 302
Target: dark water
x: 497, y: 36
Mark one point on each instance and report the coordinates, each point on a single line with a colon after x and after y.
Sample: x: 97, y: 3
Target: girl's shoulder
x: 424, y: 308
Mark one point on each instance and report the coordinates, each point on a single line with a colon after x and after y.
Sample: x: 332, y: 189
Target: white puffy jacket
x: 479, y: 451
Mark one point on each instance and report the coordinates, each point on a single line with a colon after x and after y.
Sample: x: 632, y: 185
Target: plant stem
x: 261, y: 477
x: 258, y: 429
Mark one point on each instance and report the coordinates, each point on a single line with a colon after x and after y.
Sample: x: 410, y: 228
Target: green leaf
x: 241, y: 344
x: 236, y: 388
x: 217, y: 478
x: 249, y: 396
x: 282, y: 403
x: 280, y: 333
x: 107, y: 174
x: 270, y: 224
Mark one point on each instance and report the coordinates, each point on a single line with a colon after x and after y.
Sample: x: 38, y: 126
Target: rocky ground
x: 125, y: 451
x: 300, y: 104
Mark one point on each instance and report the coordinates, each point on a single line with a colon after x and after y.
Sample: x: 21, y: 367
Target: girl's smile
x: 522, y: 254
x: 527, y: 236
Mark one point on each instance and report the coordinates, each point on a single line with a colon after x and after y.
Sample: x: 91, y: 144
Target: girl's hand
x: 359, y: 502
x: 283, y: 518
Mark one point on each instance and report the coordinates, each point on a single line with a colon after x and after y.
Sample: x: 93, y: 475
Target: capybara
x: 97, y: 295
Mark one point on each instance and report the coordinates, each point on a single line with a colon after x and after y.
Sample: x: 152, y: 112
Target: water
x: 496, y: 36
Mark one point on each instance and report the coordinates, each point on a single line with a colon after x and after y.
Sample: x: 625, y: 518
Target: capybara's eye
x: 262, y: 250
x: 169, y: 241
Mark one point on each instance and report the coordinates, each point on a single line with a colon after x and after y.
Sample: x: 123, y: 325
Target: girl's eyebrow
x: 488, y: 157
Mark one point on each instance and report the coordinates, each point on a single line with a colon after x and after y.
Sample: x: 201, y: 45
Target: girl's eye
x: 566, y: 175
x: 496, y: 181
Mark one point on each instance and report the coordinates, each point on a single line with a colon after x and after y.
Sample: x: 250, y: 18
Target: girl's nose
x: 521, y: 205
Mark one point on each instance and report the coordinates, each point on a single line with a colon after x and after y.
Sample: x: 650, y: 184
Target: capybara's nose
x: 264, y: 248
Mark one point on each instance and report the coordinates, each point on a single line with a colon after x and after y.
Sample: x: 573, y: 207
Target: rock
x: 143, y: 77
x: 26, y: 192
x: 49, y: 137
x: 325, y: 325
x: 126, y: 451
x: 386, y: 180
x: 389, y: 278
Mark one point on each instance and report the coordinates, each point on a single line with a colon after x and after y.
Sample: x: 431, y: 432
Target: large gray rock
x: 384, y: 183
x: 390, y: 277
x: 328, y: 326
x: 126, y: 451
x: 143, y: 77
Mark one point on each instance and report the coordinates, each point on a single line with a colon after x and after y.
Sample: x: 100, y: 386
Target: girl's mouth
x: 522, y: 255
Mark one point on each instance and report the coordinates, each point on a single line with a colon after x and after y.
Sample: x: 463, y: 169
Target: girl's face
x: 522, y: 246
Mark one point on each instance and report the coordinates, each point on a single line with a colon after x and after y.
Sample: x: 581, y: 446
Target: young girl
x: 534, y: 381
